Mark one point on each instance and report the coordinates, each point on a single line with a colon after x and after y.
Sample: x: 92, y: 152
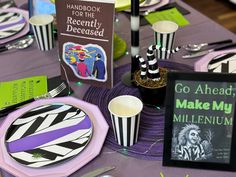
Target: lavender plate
x: 11, y: 23
x: 52, y: 137
x: 48, y: 135
x: 20, y: 31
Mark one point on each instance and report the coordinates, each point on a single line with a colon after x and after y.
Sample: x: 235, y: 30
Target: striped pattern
x: 143, y: 67
x: 225, y: 63
x: 135, y: 23
x: 153, y: 68
x: 166, y: 41
x: 11, y: 23
x: 44, y: 36
x: 126, y: 129
x: 48, y: 135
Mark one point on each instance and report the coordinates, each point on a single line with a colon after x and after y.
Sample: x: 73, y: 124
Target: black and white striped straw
x: 143, y: 67
x: 153, y: 68
x: 135, y: 21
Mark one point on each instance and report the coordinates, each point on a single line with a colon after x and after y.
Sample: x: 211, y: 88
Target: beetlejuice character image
x: 189, y: 143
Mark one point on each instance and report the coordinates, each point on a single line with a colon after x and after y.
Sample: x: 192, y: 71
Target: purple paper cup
x: 125, y: 115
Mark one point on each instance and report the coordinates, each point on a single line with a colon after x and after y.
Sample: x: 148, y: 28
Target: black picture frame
x: 173, y: 153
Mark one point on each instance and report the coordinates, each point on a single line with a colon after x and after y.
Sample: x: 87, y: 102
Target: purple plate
x: 48, y: 135
x: 20, y: 33
x: 11, y: 23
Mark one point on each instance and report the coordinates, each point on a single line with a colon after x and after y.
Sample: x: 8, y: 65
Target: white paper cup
x: 164, y: 35
x: 125, y: 114
x: 43, y: 30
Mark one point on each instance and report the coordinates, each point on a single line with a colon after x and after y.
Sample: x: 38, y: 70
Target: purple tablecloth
x: 29, y: 62
x: 151, y: 131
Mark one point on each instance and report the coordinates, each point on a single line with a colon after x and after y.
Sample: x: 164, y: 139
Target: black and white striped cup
x: 125, y: 115
x: 164, y: 35
x: 43, y: 30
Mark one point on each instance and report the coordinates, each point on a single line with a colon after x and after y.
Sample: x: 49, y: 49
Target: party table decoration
x: 53, y: 137
x: 151, y: 79
x: 85, y: 36
x: 200, y: 121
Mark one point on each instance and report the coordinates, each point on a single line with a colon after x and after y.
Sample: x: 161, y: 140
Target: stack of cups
x: 42, y: 26
x: 125, y: 115
x: 164, y: 35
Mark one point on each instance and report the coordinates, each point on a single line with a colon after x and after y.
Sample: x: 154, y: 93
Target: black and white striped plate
x: 148, y: 3
x: 48, y: 135
x: 223, y: 63
x: 11, y: 23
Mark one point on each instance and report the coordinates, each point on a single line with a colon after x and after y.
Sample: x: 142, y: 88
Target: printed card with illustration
x: 201, y: 114
x: 85, y: 36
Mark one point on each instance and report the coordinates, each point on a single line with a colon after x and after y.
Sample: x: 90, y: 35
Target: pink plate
x: 93, y: 148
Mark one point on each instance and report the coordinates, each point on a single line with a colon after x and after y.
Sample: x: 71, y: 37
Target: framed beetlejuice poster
x: 200, y: 121
x: 85, y: 36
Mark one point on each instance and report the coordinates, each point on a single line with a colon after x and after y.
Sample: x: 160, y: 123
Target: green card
x: 171, y: 14
x: 13, y: 92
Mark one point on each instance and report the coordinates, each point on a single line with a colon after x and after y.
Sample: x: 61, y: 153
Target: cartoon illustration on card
x: 86, y: 61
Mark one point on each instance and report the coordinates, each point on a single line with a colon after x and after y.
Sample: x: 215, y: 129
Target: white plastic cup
x: 164, y: 35
x: 43, y: 30
x: 125, y: 115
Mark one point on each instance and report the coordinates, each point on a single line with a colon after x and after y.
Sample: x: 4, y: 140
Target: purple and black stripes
x: 134, y: 35
x: 126, y: 129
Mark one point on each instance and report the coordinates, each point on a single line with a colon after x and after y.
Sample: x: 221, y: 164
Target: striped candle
x: 43, y: 30
x: 153, y: 69
x: 164, y: 35
x: 135, y: 21
x: 143, y: 67
x: 125, y: 115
